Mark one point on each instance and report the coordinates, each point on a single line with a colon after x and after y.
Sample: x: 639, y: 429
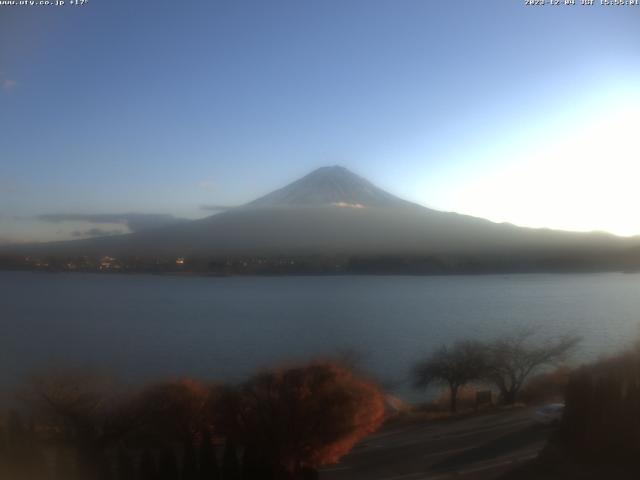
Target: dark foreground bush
x: 278, y: 425
x: 602, y: 417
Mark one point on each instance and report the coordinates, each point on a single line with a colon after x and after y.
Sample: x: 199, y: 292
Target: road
x: 478, y: 447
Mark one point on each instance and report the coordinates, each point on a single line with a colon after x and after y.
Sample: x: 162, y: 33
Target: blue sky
x: 492, y: 108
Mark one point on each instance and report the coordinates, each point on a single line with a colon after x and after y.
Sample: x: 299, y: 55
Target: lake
x: 142, y: 326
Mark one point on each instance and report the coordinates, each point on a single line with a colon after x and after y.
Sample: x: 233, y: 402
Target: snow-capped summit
x: 329, y: 186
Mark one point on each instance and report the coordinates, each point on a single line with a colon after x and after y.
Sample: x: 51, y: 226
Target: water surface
x: 143, y: 326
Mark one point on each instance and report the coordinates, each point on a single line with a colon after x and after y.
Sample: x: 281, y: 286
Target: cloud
x: 207, y: 185
x: 216, y: 208
x: 8, y: 84
x: 95, y: 232
x: 134, y: 221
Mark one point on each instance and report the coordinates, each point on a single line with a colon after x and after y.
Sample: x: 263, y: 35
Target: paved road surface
x: 480, y: 447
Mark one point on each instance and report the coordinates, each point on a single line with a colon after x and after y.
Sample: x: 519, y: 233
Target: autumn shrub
x: 293, y: 419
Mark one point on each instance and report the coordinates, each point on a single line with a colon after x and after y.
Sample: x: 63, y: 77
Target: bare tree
x: 512, y: 358
x: 454, y: 366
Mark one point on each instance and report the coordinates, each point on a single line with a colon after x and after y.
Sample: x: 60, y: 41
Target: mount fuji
x: 332, y: 211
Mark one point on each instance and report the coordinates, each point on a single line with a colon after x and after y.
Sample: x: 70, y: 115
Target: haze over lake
x: 142, y: 327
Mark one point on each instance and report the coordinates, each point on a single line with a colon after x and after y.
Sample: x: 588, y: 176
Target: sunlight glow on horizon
x: 582, y: 177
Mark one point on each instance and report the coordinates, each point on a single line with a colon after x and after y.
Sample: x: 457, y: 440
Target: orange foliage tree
x: 294, y: 419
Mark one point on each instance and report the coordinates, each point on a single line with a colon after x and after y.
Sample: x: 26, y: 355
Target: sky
x: 523, y: 114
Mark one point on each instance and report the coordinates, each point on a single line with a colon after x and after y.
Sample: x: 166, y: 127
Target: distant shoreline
x: 484, y: 263
x: 323, y: 274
